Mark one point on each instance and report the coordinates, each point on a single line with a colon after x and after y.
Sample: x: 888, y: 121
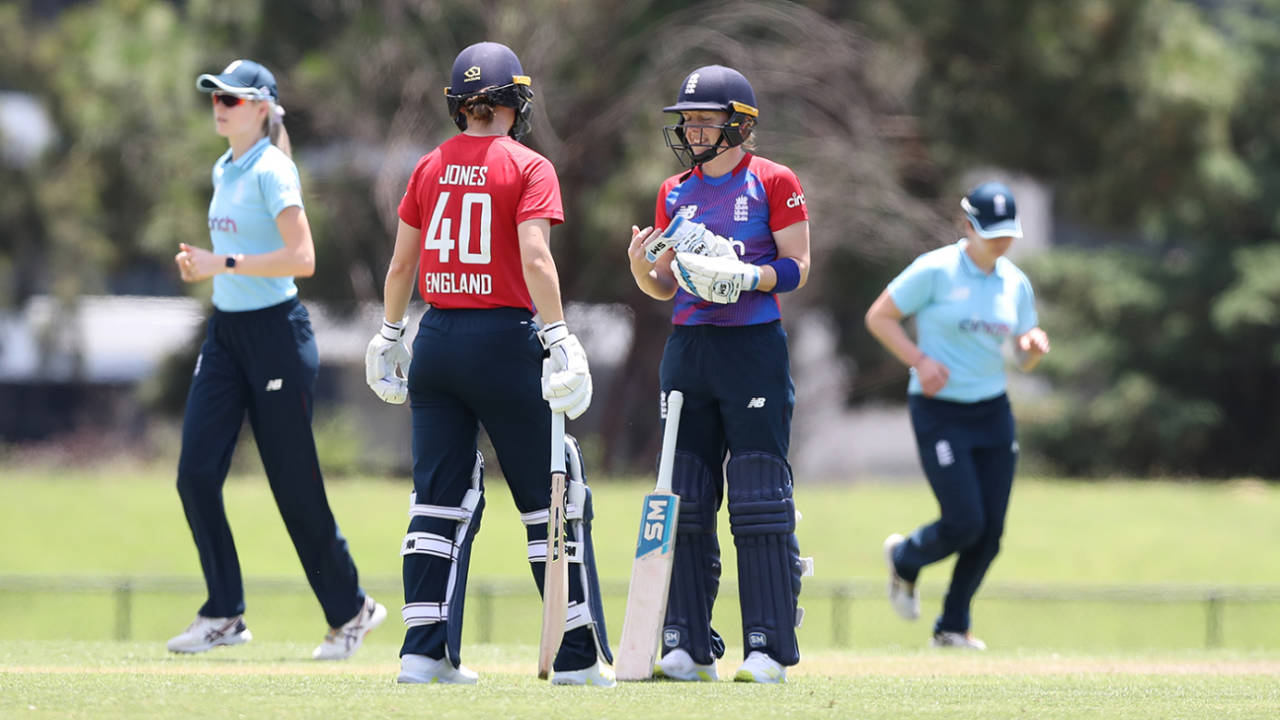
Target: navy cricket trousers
x: 969, y: 452
x: 264, y: 363
x: 474, y: 367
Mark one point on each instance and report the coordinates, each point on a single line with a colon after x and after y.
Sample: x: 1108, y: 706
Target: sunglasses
x: 229, y: 100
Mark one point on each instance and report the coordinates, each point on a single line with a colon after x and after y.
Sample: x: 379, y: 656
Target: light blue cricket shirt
x: 248, y: 194
x: 963, y: 318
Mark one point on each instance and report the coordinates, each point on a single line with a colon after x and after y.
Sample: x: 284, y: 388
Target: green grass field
x: 1060, y: 653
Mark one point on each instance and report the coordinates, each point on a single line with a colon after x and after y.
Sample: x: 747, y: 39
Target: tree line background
x: 1155, y: 125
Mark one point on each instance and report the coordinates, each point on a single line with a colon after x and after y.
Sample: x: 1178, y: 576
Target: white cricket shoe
x: 947, y: 639
x: 206, y: 633
x: 341, y: 643
x: 902, y: 594
x: 677, y: 665
x: 598, y: 675
x: 760, y: 668
x: 422, y: 669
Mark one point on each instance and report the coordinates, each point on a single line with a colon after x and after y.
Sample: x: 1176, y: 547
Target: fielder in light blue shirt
x: 259, y: 359
x: 968, y: 301
x: 248, y: 193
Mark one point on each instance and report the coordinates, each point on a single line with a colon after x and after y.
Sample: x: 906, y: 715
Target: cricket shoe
x: 948, y: 639
x: 760, y: 668
x: 902, y: 594
x: 342, y: 642
x: 598, y: 675
x: 206, y: 633
x: 677, y: 665
x: 422, y: 669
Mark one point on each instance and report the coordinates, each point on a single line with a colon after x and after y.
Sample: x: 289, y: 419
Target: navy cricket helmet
x: 490, y: 70
x: 713, y: 87
x: 244, y: 78
x: 991, y: 211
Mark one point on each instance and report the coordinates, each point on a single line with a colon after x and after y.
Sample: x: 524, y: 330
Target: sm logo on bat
x: 657, y: 525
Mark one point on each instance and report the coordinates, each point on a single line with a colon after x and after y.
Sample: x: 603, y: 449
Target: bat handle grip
x: 557, y: 443
x: 671, y: 430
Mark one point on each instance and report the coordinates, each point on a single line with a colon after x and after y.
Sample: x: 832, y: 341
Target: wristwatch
x: 231, y: 264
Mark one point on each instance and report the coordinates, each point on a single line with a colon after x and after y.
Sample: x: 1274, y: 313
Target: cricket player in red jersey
x: 492, y: 349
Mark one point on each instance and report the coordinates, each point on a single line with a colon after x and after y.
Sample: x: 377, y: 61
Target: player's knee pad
x: 586, y: 609
x: 762, y: 518
x: 442, y: 533
x: 695, y: 573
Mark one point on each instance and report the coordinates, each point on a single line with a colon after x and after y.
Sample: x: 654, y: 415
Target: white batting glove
x: 687, y: 236
x: 715, y: 279
x: 566, y: 379
x: 387, y: 353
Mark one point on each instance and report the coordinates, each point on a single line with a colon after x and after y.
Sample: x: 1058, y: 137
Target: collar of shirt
x: 971, y: 267
x: 746, y: 159
x: 246, y: 159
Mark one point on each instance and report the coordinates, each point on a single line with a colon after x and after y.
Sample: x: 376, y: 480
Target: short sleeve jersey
x: 746, y: 206
x: 248, y: 193
x: 963, y: 318
x: 467, y: 197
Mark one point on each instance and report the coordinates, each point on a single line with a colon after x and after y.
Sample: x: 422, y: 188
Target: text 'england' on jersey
x: 745, y: 206
x: 467, y: 197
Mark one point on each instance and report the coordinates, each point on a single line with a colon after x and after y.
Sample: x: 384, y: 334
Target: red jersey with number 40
x: 467, y: 197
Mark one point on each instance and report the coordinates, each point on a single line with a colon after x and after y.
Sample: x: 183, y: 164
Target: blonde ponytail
x: 273, y: 127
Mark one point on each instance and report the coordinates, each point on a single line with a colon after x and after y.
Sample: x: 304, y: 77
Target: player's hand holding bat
x: 566, y: 378
x: 386, y: 354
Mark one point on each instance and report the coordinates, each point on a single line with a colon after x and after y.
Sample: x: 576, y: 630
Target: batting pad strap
x: 424, y: 613
x: 579, y: 615
x: 538, y: 551
x: 425, y: 543
x: 572, y: 511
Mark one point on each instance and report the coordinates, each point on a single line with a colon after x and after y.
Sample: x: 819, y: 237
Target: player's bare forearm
x: 397, y: 289
x: 884, y: 321
x: 793, y: 243
x: 539, y: 269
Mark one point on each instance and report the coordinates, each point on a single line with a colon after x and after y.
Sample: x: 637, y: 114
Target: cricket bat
x: 555, y: 584
x: 655, y: 554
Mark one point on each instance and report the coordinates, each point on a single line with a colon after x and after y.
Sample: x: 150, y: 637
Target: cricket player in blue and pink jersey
x: 738, y: 233
x: 969, y: 301
x: 259, y: 359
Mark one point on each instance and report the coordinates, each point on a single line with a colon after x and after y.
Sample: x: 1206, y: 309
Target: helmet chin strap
x: 712, y: 152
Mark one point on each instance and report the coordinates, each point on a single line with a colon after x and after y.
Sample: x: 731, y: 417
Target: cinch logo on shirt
x: 998, y: 329
x: 796, y: 200
x: 222, y: 224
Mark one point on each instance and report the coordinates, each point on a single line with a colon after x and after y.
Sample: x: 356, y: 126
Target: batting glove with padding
x: 386, y: 355
x: 566, y: 379
x: 715, y: 279
x: 687, y: 236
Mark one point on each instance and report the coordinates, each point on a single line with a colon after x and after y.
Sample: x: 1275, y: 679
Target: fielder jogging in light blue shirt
x: 964, y: 316
x: 968, y: 301
x: 248, y: 193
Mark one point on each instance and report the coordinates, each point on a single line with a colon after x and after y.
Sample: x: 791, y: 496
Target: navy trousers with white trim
x: 263, y: 363
x: 969, y: 453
